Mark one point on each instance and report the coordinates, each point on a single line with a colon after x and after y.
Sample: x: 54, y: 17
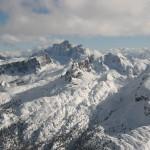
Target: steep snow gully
x: 71, y: 98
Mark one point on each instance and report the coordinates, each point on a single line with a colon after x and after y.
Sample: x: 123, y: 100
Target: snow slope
x: 75, y: 100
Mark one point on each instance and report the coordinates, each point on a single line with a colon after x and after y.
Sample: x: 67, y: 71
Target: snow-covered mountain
x: 71, y: 98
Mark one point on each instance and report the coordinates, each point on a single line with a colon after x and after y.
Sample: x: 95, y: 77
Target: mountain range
x: 68, y: 97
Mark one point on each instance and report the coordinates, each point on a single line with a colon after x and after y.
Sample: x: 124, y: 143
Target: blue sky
x: 99, y: 43
x: 27, y: 24
x: 3, y: 18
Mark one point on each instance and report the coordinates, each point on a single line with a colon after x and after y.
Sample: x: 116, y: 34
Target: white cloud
x: 46, y: 42
x: 9, y: 39
x: 80, y: 17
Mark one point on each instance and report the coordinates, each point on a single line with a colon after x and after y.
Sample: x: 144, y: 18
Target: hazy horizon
x: 30, y: 24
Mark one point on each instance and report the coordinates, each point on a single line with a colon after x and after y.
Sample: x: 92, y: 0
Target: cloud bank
x: 75, y: 17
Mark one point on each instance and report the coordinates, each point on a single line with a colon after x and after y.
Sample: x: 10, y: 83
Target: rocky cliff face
x: 20, y: 67
x: 25, y: 66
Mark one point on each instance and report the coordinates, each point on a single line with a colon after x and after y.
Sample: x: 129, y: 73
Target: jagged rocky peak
x: 65, y: 45
x: 60, y: 48
x: 86, y: 63
x: 73, y: 72
x: 76, y: 68
x: 65, y: 51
